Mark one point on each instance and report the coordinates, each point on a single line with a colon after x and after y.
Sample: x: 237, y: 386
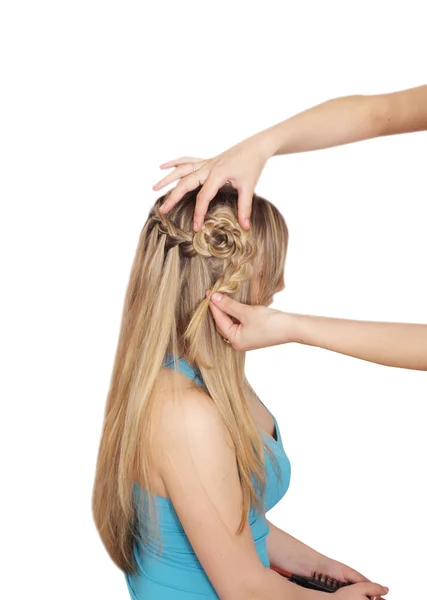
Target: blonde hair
x: 166, y: 312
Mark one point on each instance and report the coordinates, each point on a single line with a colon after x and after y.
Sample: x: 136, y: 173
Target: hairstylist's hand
x: 240, y: 166
x: 258, y: 326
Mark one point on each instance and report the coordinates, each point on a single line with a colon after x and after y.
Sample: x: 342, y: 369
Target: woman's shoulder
x: 185, y: 416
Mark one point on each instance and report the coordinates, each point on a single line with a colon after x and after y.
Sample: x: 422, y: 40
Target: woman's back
x: 176, y: 572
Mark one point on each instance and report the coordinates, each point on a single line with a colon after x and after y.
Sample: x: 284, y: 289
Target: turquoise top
x: 176, y: 574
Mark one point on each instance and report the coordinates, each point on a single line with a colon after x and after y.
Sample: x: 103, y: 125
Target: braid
x: 220, y: 239
x: 175, y: 236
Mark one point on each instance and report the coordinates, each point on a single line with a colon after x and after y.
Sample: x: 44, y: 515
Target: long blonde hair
x: 166, y: 312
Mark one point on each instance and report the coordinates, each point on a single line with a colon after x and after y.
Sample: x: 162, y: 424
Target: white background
x: 95, y: 95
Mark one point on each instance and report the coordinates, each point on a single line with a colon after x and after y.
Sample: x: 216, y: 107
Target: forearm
x: 392, y: 344
x: 272, y: 586
x: 290, y: 554
x: 348, y: 119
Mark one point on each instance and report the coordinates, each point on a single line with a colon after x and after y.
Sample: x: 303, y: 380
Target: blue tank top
x: 176, y: 573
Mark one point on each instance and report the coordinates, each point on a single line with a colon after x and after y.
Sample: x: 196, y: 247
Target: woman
x: 338, y: 121
x: 190, y: 460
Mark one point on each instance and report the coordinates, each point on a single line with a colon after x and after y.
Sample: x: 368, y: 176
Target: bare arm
x: 349, y: 119
x: 393, y: 344
x: 290, y: 554
x: 198, y: 465
x: 332, y: 123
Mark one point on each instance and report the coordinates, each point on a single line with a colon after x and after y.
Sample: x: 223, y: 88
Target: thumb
x: 229, y: 306
x: 368, y: 588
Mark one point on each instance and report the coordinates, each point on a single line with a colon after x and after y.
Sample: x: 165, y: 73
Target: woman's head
x: 166, y: 312
x: 221, y: 257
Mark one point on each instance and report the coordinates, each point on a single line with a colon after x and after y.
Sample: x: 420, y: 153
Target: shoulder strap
x: 184, y: 367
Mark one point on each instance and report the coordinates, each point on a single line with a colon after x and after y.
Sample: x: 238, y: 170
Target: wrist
x: 290, y: 554
x: 326, y: 565
x: 278, y: 139
x: 281, y: 328
x: 302, y: 329
x: 267, y: 143
x: 313, y: 562
x: 291, y: 328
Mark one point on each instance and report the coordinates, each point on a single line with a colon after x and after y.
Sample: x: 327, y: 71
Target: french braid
x: 220, y: 238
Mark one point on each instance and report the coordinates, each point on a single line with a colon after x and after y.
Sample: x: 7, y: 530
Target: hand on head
x: 240, y: 167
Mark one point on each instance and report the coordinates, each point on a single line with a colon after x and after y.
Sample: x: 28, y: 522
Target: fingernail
x: 386, y: 589
x: 163, y: 208
x: 195, y: 226
x: 247, y: 223
x: 217, y: 297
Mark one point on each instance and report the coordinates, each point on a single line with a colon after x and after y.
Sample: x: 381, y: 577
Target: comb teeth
x: 317, y: 581
x: 328, y: 580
